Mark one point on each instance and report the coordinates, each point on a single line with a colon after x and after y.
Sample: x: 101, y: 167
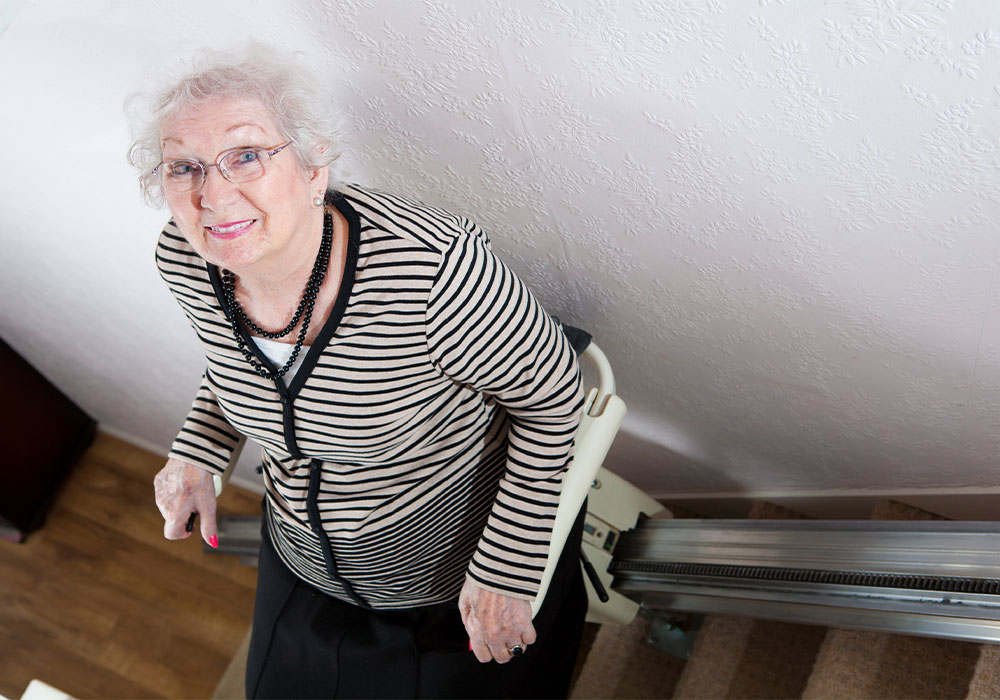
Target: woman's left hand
x: 495, y: 622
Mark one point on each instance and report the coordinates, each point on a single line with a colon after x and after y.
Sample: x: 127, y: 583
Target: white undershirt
x: 278, y: 354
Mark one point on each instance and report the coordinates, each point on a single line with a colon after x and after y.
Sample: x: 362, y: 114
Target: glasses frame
x: 264, y: 152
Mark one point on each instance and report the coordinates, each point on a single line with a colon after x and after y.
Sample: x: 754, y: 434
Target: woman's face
x: 246, y: 226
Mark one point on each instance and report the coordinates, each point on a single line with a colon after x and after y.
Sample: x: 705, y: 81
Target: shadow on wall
x: 658, y: 468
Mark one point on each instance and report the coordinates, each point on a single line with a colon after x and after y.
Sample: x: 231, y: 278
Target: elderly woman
x: 415, y: 405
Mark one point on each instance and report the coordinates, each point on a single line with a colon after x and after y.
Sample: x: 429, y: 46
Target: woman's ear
x: 318, y: 177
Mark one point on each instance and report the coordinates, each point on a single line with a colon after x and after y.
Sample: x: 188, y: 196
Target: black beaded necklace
x: 304, y: 310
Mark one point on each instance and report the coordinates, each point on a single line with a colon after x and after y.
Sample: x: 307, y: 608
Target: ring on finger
x: 516, y: 650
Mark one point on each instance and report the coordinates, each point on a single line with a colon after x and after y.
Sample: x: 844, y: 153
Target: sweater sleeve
x: 486, y: 330
x: 206, y: 439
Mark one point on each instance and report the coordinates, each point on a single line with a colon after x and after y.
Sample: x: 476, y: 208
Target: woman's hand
x: 181, y: 490
x: 495, y: 622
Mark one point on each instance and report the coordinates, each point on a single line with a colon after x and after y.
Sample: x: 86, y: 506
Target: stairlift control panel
x: 613, y: 506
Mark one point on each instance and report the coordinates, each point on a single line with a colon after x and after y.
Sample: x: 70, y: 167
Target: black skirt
x: 307, y: 644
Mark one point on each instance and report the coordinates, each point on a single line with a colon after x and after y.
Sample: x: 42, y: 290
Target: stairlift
x: 931, y: 578
x: 613, y: 504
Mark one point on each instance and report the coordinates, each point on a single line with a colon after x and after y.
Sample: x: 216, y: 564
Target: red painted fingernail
x: 214, y: 541
x: 470, y: 645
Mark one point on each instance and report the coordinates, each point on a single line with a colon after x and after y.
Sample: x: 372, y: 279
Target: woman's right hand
x: 182, y: 489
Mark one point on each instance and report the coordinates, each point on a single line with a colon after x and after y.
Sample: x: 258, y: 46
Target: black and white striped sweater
x: 433, y: 417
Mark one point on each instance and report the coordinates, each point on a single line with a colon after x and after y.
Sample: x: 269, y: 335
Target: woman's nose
x: 216, y: 191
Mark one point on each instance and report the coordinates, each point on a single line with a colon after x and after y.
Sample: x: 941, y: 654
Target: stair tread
x: 985, y: 683
x: 621, y: 664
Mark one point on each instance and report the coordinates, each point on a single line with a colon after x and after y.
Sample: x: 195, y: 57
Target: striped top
x: 426, y: 434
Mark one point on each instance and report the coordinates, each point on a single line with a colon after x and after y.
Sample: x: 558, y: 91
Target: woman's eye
x: 180, y: 168
x: 244, y: 157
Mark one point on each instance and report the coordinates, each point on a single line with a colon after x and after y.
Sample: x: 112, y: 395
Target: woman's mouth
x: 231, y: 229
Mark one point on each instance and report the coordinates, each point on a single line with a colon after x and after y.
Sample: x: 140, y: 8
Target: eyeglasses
x: 236, y: 165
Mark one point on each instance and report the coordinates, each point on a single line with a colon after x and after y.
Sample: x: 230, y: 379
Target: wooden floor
x: 98, y: 604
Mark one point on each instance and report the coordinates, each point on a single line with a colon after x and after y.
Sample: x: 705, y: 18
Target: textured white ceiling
x: 776, y: 217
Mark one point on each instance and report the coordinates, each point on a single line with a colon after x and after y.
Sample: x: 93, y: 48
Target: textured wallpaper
x: 777, y: 217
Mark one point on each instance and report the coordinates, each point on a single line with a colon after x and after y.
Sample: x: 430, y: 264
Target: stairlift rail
x: 933, y: 578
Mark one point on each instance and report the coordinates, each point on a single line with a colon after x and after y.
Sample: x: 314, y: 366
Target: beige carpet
x: 621, y: 664
x: 985, y: 683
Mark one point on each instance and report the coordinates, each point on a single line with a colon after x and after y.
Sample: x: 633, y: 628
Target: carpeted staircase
x: 746, y: 658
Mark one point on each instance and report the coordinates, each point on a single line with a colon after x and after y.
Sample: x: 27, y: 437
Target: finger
x: 173, y: 526
x: 516, y: 649
x: 499, y: 652
x: 528, y: 636
x: 209, y: 529
x: 481, y: 650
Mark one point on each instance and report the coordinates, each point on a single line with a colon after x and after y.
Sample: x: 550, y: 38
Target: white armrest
x: 603, y: 414
x: 222, y: 479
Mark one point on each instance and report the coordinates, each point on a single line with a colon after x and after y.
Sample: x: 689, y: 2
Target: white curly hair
x: 301, y: 109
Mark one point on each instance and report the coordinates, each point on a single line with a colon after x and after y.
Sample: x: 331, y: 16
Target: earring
x: 317, y: 201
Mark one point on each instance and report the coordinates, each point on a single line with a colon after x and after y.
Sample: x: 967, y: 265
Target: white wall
x: 776, y: 217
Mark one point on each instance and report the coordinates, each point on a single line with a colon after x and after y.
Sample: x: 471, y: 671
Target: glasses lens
x: 243, y: 165
x: 180, y: 175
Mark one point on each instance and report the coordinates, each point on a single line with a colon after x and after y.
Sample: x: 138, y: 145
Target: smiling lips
x: 231, y: 229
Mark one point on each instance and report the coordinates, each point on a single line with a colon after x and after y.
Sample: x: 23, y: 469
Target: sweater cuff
x: 508, y: 563
x: 487, y: 585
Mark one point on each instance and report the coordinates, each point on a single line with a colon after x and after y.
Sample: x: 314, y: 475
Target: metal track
x: 931, y: 578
